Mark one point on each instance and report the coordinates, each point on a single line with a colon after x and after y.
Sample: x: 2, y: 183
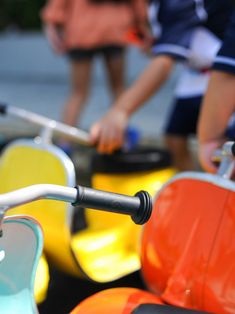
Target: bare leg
x: 115, y: 68
x: 80, y: 85
x: 178, y: 147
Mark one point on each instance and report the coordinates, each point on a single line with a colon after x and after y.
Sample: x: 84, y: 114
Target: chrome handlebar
x: 49, y: 126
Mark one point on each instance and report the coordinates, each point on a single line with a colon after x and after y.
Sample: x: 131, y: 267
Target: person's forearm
x: 217, y: 108
x: 146, y: 85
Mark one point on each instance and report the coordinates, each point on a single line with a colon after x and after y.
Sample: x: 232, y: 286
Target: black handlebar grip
x: 139, y: 207
x: 3, y: 109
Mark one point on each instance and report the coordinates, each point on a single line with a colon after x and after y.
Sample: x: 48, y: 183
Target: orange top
x: 88, y: 25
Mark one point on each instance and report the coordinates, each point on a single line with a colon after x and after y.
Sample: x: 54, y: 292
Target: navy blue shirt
x: 225, y: 60
x: 179, y: 19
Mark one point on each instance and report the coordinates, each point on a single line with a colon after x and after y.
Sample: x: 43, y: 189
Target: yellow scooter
x: 98, y: 251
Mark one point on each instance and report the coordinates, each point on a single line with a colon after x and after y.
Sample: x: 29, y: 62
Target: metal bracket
x: 46, y: 133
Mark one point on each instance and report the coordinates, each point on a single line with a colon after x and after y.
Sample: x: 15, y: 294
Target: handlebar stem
x: 46, y: 133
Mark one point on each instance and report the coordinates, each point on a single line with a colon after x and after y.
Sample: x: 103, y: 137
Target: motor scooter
x: 187, y: 249
x: 101, y: 250
x: 21, y: 237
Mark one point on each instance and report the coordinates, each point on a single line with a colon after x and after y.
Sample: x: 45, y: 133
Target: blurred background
x: 33, y: 77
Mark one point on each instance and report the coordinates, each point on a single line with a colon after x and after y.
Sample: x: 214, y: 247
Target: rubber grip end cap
x: 145, y: 210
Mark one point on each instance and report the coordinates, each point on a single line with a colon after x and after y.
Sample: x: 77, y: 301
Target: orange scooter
x: 187, y: 249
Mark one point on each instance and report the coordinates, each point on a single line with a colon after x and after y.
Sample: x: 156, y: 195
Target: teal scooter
x: 21, y: 240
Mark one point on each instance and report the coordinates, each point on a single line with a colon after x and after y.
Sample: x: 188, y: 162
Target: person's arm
x: 217, y: 108
x: 54, y: 12
x: 140, y: 33
x: 108, y: 133
x: 54, y: 16
x: 219, y: 101
x: 171, y: 45
x: 140, y: 9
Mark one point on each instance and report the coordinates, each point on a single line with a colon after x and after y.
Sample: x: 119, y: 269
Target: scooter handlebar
x: 139, y: 207
x: 76, y: 134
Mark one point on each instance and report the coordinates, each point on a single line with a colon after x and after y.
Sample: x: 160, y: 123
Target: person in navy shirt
x: 187, y: 31
x: 219, y: 102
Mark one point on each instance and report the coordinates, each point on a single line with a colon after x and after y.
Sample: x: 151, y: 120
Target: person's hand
x: 146, y: 36
x: 54, y: 35
x: 205, y: 153
x: 146, y: 39
x: 108, y: 134
x: 141, y: 36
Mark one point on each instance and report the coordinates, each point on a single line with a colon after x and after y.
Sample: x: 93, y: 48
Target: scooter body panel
x: 115, y: 301
x: 183, y: 245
